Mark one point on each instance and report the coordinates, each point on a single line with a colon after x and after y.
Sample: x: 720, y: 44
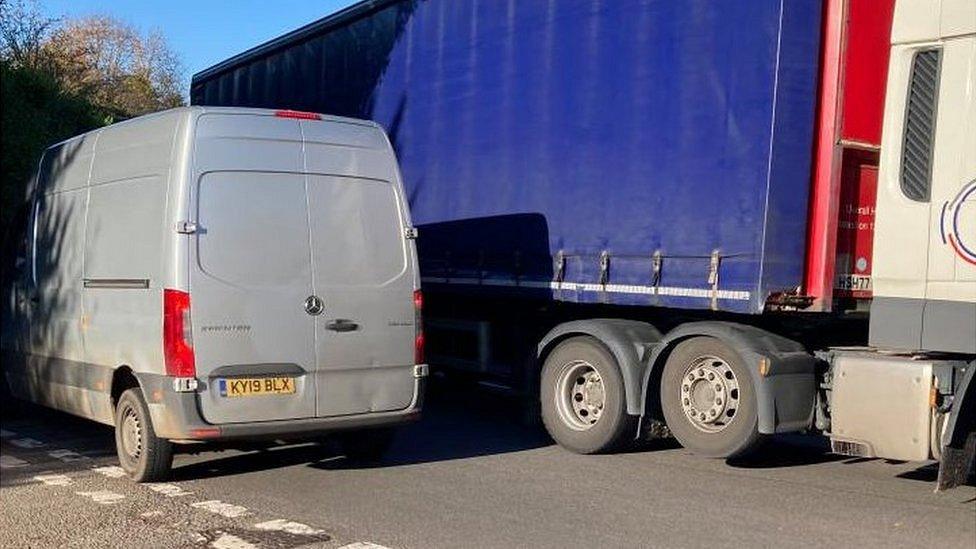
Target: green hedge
x: 35, y: 114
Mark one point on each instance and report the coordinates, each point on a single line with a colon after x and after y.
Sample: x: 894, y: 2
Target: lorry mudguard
x: 627, y: 340
x: 786, y: 388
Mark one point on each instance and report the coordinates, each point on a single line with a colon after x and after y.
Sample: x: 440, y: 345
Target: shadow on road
x: 458, y: 422
x: 788, y: 451
x: 35, y: 432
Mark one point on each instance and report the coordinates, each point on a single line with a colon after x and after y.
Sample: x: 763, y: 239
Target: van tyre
x: 144, y: 456
x: 583, y: 399
x: 708, y: 399
x: 367, y: 446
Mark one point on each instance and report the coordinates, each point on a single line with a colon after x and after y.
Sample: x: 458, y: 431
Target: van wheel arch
x: 123, y: 379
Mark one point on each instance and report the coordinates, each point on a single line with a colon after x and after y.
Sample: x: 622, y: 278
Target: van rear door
x: 362, y: 270
x: 250, y: 271
x: 365, y: 335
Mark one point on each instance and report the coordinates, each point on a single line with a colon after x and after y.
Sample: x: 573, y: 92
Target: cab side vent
x: 923, y: 96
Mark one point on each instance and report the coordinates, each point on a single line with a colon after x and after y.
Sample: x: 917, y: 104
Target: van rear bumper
x: 176, y: 416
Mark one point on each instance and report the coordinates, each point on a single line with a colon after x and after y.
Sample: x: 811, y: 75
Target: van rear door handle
x: 342, y: 325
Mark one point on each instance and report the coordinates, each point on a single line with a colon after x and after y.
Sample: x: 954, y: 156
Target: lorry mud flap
x: 959, y: 438
x: 956, y: 465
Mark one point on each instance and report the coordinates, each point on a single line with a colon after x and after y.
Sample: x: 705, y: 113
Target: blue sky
x: 205, y: 32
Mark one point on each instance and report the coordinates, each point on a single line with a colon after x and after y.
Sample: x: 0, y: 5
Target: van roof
x: 198, y: 110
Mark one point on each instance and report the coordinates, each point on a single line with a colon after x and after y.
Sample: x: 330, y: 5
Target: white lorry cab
x: 205, y: 274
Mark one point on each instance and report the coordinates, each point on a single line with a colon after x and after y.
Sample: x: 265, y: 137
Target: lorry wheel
x: 144, y: 456
x: 367, y: 446
x: 708, y: 399
x: 582, y: 397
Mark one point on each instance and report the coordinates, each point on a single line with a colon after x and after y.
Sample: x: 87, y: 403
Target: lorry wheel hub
x: 580, y: 395
x: 709, y: 394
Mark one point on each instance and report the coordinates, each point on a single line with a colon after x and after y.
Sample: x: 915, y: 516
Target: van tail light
x: 300, y: 115
x: 418, y: 342
x: 177, y: 334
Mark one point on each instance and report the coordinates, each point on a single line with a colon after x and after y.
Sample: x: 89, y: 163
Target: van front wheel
x: 143, y: 456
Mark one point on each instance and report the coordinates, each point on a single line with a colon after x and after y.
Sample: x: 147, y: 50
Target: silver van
x: 207, y: 274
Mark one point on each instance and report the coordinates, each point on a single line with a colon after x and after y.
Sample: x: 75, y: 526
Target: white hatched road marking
x: 66, y: 456
x: 9, y: 462
x: 229, y: 541
x: 7, y: 434
x: 104, y: 497
x: 111, y: 471
x: 282, y: 525
x: 54, y: 480
x: 27, y: 443
x: 218, y: 507
x: 107, y: 497
x: 169, y: 490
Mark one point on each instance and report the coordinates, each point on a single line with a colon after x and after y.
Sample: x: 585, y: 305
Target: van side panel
x: 124, y: 247
x: 55, y: 341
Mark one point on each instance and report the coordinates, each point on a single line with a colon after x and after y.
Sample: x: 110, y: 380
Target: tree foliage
x: 118, y: 69
x: 63, y: 77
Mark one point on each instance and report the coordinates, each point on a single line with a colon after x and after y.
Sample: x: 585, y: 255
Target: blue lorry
x: 602, y: 189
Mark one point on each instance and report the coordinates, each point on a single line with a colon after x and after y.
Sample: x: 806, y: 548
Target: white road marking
x: 54, y: 480
x: 27, y: 443
x: 111, y: 471
x: 282, y: 525
x: 66, y: 456
x: 168, y: 490
x: 364, y: 545
x: 104, y: 497
x: 218, y: 507
x: 7, y: 434
x: 228, y: 541
x: 9, y: 462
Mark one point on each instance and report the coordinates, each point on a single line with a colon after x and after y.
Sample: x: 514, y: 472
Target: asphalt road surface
x: 467, y: 475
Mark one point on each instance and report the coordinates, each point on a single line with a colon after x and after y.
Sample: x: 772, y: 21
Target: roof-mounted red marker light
x: 300, y: 115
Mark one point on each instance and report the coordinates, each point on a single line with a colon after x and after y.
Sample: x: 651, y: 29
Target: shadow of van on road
x: 36, y: 436
x: 457, y: 423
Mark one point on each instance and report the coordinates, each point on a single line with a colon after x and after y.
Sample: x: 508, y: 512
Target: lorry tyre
x: 582, y: 397
x: 708, y: 399
x: 143, y: 456
x: 367, y: 446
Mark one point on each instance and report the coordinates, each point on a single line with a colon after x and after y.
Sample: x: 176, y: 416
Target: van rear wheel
x: 142, y: 455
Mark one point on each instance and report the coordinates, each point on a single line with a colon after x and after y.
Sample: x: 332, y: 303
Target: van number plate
x: 256, y: 386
